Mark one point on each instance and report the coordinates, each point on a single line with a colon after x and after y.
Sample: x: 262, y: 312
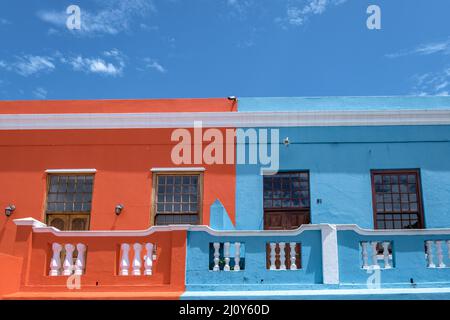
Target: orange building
x: 102, y: 177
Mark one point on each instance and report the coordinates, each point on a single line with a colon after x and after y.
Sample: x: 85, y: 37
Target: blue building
x: 367, y: 180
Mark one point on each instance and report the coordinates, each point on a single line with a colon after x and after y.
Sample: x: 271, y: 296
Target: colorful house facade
x: 248, y: 198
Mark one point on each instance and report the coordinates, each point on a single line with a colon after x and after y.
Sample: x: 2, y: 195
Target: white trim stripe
x: 178, y: 169
x: 71, y: 170
x: 225, y: 119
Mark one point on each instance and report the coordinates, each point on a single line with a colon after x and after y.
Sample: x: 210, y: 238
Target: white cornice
x: 225, y: 119
x: 71, y: 171
x: 29, y: 222
x: 178, y: 169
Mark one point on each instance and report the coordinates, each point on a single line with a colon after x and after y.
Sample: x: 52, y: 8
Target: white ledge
x: 392, y: 232
x: 177, y: 169
x: 29, y: 222
x: 40, y: 227
x: 71, y: 170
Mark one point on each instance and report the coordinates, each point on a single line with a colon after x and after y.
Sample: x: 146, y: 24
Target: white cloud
x: 298, y: 12
x: 4, y: 21
x: 115, y: 16
x: 442, y: 47
x: 432, y: 83
x: 98, y: 65
x: 153, y: 64
x: 28, y: 65
x: 40, y: 93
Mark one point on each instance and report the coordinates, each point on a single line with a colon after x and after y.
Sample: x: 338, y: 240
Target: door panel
x: 285, y: 220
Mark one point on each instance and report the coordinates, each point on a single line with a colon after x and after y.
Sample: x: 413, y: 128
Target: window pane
x: 286, y: 190
x: 396, y: 193
x: 66, y: 193
x: 179, y: 194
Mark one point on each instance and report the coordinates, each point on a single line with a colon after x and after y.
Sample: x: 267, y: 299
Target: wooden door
x: 285, y: 220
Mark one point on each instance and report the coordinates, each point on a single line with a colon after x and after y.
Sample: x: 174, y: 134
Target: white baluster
x: 237, y: 256
x: 293, y: 245
x: 430, y: 262
x: 365, y: 254
x: 282, y: 255
x: 387, y: 265
x: 55, y: 262
x: 155, y: 249
x: 216, y: 246
x: 124, y: 261
x: 137, y: 264
x: 148, y: 259
x: 68, y: 260
x: 273, y: 253
x: 79, y: 263
x: 448, y: 248
x: 226, y: 253
x: 440, y: 256
x: 374, y: 255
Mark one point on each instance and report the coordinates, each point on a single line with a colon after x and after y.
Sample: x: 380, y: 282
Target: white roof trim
x: 225, y: 119
x: 177, y: 169
x: 71, y: 170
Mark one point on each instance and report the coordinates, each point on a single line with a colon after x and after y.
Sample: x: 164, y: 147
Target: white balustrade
x: 227, y: 256
x: 387, y: 263
x: 365, y: 255
x: 68, y: 260
x: 370, y: 248
x: 55, y: 262
x: 124, y: 260
x: 67, y: 267
x: 216, y: 246
x: 434, y: 253
x: 226, y: 253
x: 79, y: 263
x: 283, y: 256
x: 273, y: 253
x: 237, y: 256
x: 138, y: 261
x: 148, y: 259
x: 292, y: 246
x: 282, y: 246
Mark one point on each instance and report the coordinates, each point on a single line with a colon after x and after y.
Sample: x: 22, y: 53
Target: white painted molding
x: 257, y: 233
x: 178, y: 169
x: 330, y: 258
x: 225, y: 119
x: 393, y: 232
x: 29, y: 222
x: 71, y: 170
x: 40, y: 227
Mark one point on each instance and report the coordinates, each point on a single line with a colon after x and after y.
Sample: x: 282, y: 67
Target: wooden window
x: 69, y: 199
x: 286, y: 200
x: 178, y: 199
x: 397, y: 201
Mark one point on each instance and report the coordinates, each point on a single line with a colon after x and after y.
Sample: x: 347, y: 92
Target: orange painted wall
x: 10, y: 272
x: 123, y: 159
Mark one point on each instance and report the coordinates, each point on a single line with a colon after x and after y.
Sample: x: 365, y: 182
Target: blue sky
x: 216, y: 48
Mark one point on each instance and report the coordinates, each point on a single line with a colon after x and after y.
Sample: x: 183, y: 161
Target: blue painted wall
x: 339, y: 160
